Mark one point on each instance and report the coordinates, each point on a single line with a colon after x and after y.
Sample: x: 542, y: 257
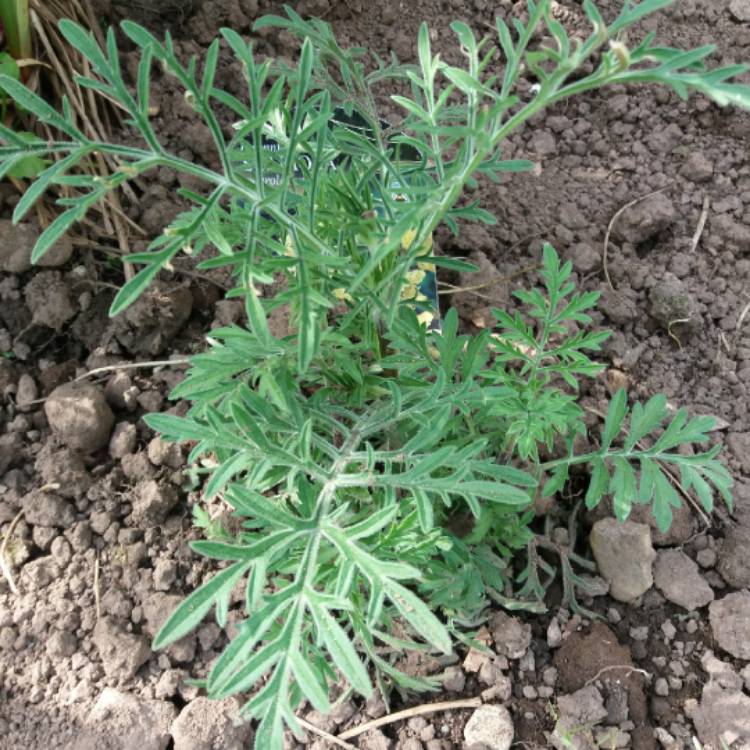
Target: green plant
x: 383, y: 473
x: 14, y: 17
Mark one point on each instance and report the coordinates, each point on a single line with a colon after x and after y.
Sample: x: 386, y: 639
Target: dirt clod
x: 48, y: 510
x: 730, y: 623
x: 18, y: 242
x: 80, y: 416
x: 679, y: 579
x: 49, y: 298
x: 205, y: 724
x: 120, y: 721
x: 122, y: 653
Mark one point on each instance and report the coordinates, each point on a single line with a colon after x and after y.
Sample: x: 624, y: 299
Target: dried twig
x: 426, y: 708
x: 701, y: 224
x: 4, y: 561
x: 452, y: 289
x: 742, y: 316
x: 113, y: 368
x: 325, y: 735
x: 97, y: 590
x: 620, y: 212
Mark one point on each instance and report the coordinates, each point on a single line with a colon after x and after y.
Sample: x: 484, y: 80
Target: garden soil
x: 95, y: 513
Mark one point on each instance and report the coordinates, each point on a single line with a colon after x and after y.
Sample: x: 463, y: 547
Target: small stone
x: 733, y: 232
x: 730, y: 623
x: 490, y: 726
x: 49, y: 299
x: 639, y: 633
x: 706, y: 558
x: 120, y: 721
x: 530, y: 692
x: 163, y: 453
x: 122, y: 653
x: 454, y: 679
x: 554, y: 634
x: 697, y: 168
x: 61, y: 643
x: 585, y: 706
x: 123, y: 441
x: 80, y: 416
x: 733, y: 563
x: 679, y: 579
x: 168, y: 683
x: 665, y: 739
x: 585, y: 257
x: 27, y: 390
x: 165, y: 572
x: 670, y: 303
x: 120, y: 392
x: 549, y: 676
x: 722, y: 719
x: 152, y: 503
x: 511, y: 635
x: 669, y: 630
x: 205, y: 724
x: 661, y: 687
x: 18, y: 242
x: 613, y: 616
x: 47, y: 509
x: 740, y: 10
x: 645, y: 220
x: 624, y: 555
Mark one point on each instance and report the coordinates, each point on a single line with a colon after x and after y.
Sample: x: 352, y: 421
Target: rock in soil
x: 80, y: 416
x: 121, y: 721
x: 149, y: 325
x: 734, y: 563
x: 18, y: 242
x: 49, y: 298
x: 207, y: 724
x: 670, y: 304
x: 624, y: 555
x: 491, y: 727
x: 645, y: 220
x: 152, y: 503
x: 511, y: 635
x: 597, y: 655
x: 740, y: 10
x: 48, y: 509
x: 679, y: 579
x: 122, y: 653
x: 585, y: 706
x: 722, y: 718
x: 730, y: 623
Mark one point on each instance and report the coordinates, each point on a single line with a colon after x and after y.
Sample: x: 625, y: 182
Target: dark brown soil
x: 107, y: 539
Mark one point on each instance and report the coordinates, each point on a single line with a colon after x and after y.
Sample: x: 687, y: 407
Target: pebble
x: 706, y: 558
x: 669, y: 630
x: 80, y: 416
x: 730, y: 623
x: 491, y: 726
x: 679, y: 579
x: 740, y: 10
x: 639, y: 633
x: 624, y: 554
x: 554, y: 634
x: 661, y: 687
